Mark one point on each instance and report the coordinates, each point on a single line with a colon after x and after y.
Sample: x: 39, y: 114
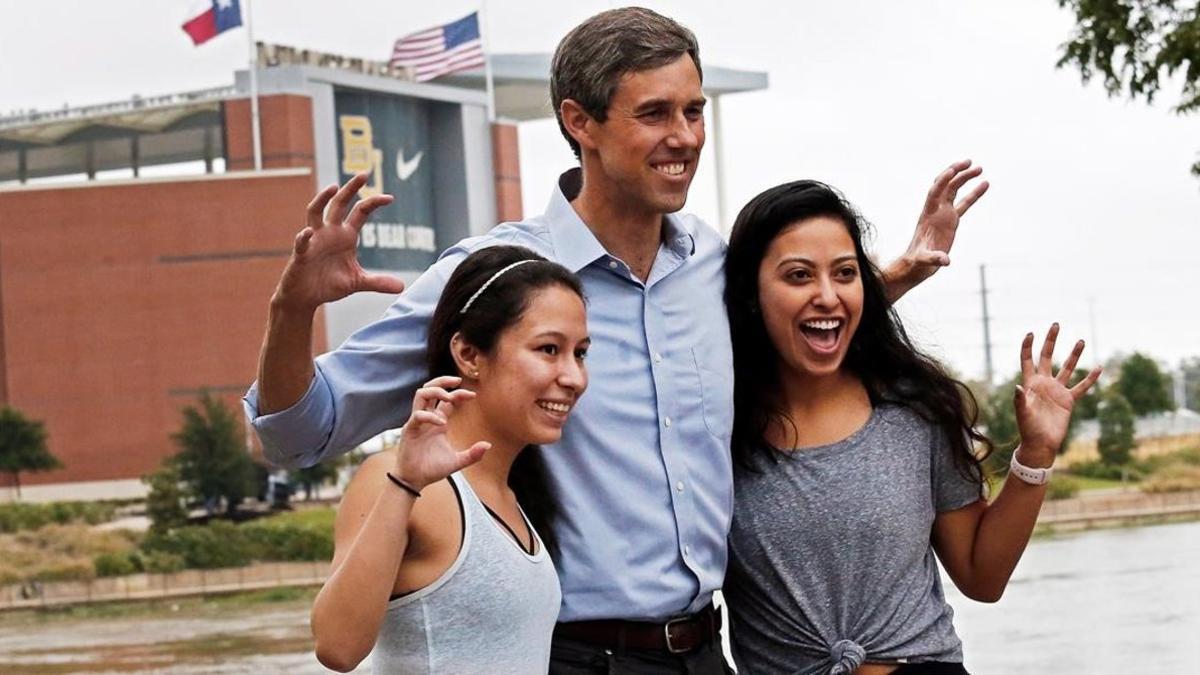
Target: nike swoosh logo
x: 405, y: 169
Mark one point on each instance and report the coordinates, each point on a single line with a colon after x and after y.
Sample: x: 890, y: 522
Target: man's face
x: 650, y: 144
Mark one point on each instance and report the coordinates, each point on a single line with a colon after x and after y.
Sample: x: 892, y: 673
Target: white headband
x: 492, y: 279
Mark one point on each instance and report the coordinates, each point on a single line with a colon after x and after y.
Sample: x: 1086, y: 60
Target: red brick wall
x: 506, y: 159
x: 119, y: 303
x: 286, y: 132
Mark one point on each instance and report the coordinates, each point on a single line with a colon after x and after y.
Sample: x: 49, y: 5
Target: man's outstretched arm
x: 930, y: 246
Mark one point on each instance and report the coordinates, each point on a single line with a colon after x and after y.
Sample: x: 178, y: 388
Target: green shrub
x: 116, y: 564
x: 218, y: 544
x: 1098, y: 469
x: 287, y: 543
x: 22, y: 516
x: 161, y: 562
x: 1062, y: 487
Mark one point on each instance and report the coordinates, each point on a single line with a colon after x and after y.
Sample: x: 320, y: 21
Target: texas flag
x: 218, y: 17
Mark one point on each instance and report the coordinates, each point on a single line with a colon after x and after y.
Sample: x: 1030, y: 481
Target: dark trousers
x: 572, y: 657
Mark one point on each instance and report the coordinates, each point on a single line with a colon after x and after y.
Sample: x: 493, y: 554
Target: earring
x: 475, y: 374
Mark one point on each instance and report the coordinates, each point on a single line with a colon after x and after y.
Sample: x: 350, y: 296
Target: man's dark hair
x: 590, y: 61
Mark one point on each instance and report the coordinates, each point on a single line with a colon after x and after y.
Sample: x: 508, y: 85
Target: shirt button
x: 658, y: 358
x: 612, y: 264
x: 667, y: 422
x: 679, y: 486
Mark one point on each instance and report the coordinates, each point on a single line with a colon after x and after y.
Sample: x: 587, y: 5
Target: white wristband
x: 1029, y: 474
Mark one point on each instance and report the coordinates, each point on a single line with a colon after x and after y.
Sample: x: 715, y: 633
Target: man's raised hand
x: 324, y: 263
x: 929, y: 249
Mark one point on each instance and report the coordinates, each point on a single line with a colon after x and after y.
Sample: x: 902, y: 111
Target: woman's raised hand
x: 1044, y: 400
x: 425, y: 455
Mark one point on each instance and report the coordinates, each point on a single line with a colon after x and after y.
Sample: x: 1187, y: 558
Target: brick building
x: 121, y: 299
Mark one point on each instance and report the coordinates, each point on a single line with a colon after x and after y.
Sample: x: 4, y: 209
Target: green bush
x: 23, y: 516
x: 116, y: 564
x: 1062, y: 487
x: 218, y: 544
x: 287, y: 543
x: 1098, y: 469
x: 222, y: 544
x: 161, y: 562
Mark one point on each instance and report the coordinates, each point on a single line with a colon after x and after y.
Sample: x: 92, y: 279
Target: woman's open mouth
x: 822, y: 335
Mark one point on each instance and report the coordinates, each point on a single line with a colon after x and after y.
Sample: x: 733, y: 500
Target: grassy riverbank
x: 210, y: 606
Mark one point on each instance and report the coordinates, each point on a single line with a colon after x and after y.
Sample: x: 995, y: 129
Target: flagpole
x: 256, y: 130
x: 487, y: 62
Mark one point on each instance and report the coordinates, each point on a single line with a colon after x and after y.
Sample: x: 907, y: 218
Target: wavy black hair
x: 499, y: 306
x: 881, y: 355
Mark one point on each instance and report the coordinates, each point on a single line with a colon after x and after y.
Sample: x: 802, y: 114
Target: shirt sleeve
x: 363, y: 387
x: 951, y: 489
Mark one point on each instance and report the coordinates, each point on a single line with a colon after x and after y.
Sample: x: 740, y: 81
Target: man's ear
x: 466, y: 357
x: 577, y: 123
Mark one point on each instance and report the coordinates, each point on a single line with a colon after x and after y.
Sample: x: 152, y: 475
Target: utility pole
x: 1095, y: 346
x: 987, y: 331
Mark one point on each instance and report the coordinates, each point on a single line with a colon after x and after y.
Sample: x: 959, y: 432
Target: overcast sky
x: 1091, y: 203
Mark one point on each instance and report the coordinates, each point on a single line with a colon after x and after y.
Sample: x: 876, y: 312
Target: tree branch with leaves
x: 1135, y: 45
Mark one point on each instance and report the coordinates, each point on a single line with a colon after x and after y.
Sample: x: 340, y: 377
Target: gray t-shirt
x: 830, y: 561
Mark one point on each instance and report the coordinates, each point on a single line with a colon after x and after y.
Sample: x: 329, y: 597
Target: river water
x: 1107, y: 601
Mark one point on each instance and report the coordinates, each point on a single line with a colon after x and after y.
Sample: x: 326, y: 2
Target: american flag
x: 441, y: 50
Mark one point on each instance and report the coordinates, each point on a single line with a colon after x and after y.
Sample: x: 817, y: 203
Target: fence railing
x: 33, y: 594
x: 1118, y: 506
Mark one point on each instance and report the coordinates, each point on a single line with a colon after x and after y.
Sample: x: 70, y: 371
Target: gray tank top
x: 492, y: 611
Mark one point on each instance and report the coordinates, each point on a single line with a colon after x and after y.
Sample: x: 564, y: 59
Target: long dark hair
x: 501, y: 305
x: 881, y: 354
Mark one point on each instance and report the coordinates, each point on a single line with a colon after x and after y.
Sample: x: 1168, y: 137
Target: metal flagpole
x: 256, y: 130
x: 724, y: 224
x: 487, y: 62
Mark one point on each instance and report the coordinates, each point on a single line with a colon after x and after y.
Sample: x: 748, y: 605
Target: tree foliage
x: 1144, y: 385
x: 1116, y: 430
x: 1087, y: 407
x: 313, y: 476
x: 164, y: 503
x: 23, y: 446
x: 212, y: 458
x: 1136, y: 44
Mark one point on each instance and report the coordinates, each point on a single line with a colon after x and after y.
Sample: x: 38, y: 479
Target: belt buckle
x: 667, y: 633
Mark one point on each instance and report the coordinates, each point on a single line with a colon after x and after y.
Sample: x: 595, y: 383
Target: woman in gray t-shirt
x: 856, y: 455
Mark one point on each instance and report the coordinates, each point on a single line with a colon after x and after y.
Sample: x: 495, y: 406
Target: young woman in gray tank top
x: 855, y: 454
x: 459, y: 580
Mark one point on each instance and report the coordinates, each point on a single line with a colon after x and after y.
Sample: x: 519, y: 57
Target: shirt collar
x: 576, y: 246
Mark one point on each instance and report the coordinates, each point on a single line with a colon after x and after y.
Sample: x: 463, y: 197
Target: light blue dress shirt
x: 643, y: 470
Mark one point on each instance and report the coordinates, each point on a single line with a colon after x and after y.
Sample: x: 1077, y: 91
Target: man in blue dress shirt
x: 643, y: 470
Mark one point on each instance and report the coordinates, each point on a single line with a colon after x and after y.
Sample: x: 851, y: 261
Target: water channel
x: 1109, y: 601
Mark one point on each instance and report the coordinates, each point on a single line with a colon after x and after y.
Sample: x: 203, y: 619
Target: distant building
x: 124, y: 292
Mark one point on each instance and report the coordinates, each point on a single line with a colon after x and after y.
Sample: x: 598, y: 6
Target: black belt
x: 676, y: 636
